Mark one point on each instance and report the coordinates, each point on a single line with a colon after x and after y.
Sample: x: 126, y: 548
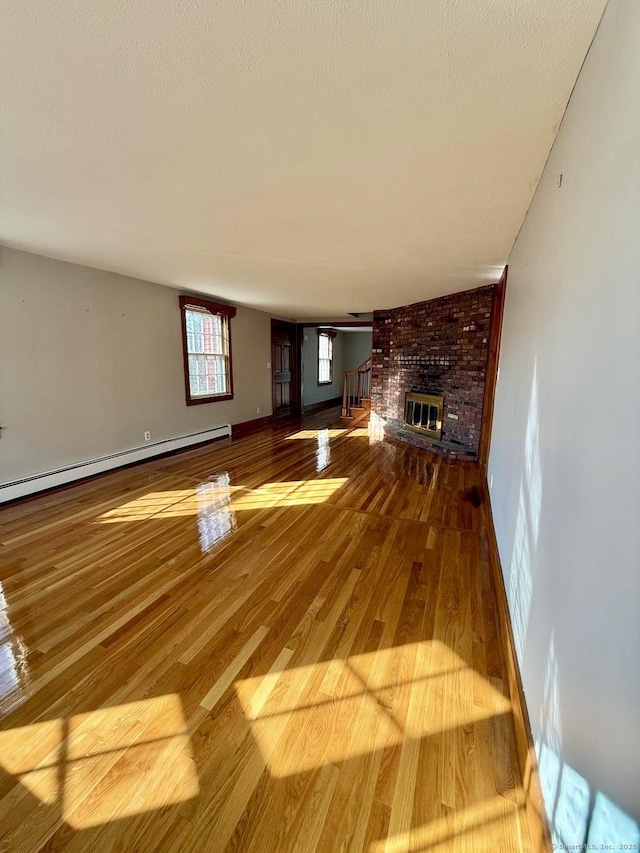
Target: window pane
x: 208, y: 374
x: 212, y: 333
x: 197, y: 332
x: 325, y: 357
x: 216, y: 381
x: 195, y: 374
x: 190, y: 323
x: 324, y: 370
x: 206, y: 333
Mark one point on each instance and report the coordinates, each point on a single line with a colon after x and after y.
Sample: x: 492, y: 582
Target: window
x: 325, y: 357
x: 206, y: 347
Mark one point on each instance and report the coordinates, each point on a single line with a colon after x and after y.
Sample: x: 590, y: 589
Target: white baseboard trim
x: 62, y: 476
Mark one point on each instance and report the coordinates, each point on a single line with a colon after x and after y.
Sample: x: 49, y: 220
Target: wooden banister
x: 357, y: 386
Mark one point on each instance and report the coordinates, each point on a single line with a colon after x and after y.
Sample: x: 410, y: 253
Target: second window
x: 325, y: 358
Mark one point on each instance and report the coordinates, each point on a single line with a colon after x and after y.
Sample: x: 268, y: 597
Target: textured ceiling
x: 308, y: 157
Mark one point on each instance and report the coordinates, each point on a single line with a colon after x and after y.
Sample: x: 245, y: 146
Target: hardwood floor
x: 284, y: 642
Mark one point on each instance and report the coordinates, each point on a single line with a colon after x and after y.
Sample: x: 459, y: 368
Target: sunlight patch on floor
x: 290, y: 493
x: 479, y: 820
x: 105, y: 764
x: 170, y: 504
x: 313, y: 433
x: 209, y: 499
x: 409, y: 692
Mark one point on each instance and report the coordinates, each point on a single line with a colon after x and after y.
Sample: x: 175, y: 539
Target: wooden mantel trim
x: 495, y: 334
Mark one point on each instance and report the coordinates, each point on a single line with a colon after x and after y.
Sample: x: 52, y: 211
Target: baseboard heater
x: 61, y: 476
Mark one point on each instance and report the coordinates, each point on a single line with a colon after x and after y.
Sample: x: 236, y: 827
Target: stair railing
x: 357, y: 385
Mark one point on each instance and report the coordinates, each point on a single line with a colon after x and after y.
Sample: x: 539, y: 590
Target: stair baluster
x: 356, y: 400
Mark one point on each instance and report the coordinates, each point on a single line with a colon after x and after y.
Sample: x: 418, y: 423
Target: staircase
x: 356, y: 398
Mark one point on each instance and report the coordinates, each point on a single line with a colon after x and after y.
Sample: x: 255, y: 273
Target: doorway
x: 285, y: 368
x: 351, y: 344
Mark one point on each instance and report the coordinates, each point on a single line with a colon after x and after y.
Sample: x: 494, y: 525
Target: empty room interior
x: 319, y: 418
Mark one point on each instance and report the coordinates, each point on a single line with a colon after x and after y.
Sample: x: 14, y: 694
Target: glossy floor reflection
x: 14, y: 666
x: 282, y: 642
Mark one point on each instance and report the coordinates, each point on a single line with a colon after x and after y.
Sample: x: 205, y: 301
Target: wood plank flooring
x: 284, y: 642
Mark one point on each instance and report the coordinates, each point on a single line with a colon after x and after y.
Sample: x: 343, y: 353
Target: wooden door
x: 281, y: 346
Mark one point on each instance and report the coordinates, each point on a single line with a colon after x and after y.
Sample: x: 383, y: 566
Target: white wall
x: 314, y: 393
x: 90, y: 360
x: 565, y: 460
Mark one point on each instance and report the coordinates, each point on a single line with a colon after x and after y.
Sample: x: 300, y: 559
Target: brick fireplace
x: 439, y: 348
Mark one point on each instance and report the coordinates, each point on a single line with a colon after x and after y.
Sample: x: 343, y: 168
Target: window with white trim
x: 325, y: 358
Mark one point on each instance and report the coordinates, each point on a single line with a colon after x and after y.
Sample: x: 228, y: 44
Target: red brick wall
x: 437, y: 347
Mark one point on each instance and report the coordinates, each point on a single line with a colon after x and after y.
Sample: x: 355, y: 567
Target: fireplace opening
x: 423, y: 414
